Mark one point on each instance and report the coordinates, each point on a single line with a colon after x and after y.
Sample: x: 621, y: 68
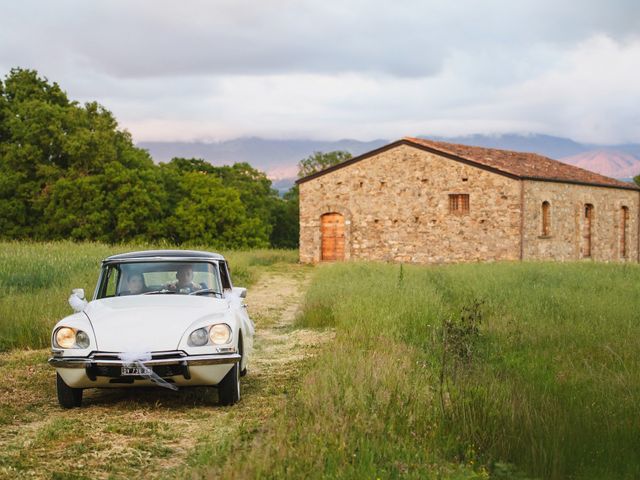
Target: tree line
x: 68, y: 172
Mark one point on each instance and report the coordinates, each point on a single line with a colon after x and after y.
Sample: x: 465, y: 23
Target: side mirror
x: 240, y: 292
x: 76, y: 300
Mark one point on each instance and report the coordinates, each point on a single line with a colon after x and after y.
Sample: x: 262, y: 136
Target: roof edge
x: 409, y: 142
x: 632, y: 187
x: 353, y: 160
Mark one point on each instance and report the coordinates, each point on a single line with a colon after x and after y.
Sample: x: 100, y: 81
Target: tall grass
x: 36, y: 279
x: 549, y: 387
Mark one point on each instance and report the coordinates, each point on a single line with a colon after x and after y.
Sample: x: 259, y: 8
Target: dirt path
x: 152, y: 433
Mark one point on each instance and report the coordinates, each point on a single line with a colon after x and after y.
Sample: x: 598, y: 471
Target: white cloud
x: 590, y: 94
x: 335, y: 69
x: 593, y: 95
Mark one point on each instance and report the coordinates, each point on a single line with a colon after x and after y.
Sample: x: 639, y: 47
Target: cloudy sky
x: 331, y: 69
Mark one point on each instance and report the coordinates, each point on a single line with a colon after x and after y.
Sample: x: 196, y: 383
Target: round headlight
x: 82, y: 339
x: 220, y: 334
x: 65, y: 337
x: 199, y: 337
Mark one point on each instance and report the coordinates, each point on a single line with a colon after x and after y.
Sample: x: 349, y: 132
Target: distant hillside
x: 547, y: 145
x: 612, y: 163
x: 279, y: 157
x: 617, y: 161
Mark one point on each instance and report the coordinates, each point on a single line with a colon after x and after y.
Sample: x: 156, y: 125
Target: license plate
x: 135, y: 371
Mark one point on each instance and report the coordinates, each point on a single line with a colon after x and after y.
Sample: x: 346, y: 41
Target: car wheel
x: 229, y: 387
x: 68, y: 397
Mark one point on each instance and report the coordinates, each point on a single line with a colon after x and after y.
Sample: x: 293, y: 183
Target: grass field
x: 508, y: 370
x: 465, y: 371
x: 147, y: 432
x: 36, y: 280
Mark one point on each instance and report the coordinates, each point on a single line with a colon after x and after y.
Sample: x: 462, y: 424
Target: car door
x: 247, y: 325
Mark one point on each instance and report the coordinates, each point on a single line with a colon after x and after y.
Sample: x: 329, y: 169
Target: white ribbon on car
x: 77, y: 301
x: 233, y: 299
x: 236, y: 301
x: 137, y: 359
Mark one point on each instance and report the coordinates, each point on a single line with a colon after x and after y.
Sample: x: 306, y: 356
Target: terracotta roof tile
x: 515, y: 164
x: 521, y: 164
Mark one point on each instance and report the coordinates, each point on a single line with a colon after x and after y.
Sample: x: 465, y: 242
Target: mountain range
x: 279, y: 158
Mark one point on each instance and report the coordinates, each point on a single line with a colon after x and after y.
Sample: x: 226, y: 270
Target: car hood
x: 144, y: 323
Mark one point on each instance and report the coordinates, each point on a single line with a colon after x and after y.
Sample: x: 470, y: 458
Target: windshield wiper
x: 152, y: 292
x: 205, y: 291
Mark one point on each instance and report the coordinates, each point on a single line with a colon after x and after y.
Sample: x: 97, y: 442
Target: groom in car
x: 185, y: 283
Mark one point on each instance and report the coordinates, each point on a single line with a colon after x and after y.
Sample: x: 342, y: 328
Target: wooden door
x: 586, y: 230
x: 332, y: 231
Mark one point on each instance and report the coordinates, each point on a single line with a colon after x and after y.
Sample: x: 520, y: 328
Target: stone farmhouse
x: 423, y: 201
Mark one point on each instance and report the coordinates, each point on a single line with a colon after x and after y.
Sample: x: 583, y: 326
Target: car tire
x: 229, y: 387
x: 68, y: 397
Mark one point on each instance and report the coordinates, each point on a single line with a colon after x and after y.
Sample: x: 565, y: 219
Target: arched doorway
x: 586, y: 230
x: 332, y: 233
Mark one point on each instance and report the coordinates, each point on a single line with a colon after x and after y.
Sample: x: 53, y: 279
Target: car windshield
x: 150, y: 278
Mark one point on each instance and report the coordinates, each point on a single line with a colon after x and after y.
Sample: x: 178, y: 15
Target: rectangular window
x: 459, y: 203
x: 586, y: 230
x: 624, y: 221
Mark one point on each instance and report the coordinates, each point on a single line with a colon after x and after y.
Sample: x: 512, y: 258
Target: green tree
x: 48, y: 144
x: 254, y: 187
x: 209, y: 212
x: 286, y: 221
x: 137, y: 202
x: 76, y: 209
x: 68, y: 171
x: 259, y: 200
x: 319, y: 161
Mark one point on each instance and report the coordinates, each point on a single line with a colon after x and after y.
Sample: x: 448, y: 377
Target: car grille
x: 114, y: 371
x: 167, y: 355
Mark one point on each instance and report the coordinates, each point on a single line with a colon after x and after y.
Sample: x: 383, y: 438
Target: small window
x: 624, y: 221
x: 112, y: 280
x: 459, y: 203
x: 587, y: 231
x: 224, y: 275
x: 546, y: 219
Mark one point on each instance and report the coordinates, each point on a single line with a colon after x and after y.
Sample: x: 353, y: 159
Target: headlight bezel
x: 71, y: 341
x: 213, y: 335
x: 199, y: 343
x: 227, y: 331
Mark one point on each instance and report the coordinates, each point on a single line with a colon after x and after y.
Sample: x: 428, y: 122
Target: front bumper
x: 173, y: 358
x: 103, y: 369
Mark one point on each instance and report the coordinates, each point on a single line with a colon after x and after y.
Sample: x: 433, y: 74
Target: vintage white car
x: 170, y: 318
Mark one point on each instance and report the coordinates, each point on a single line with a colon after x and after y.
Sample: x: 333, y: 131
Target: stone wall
x: 567, y: 203
x: 396, y: 208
